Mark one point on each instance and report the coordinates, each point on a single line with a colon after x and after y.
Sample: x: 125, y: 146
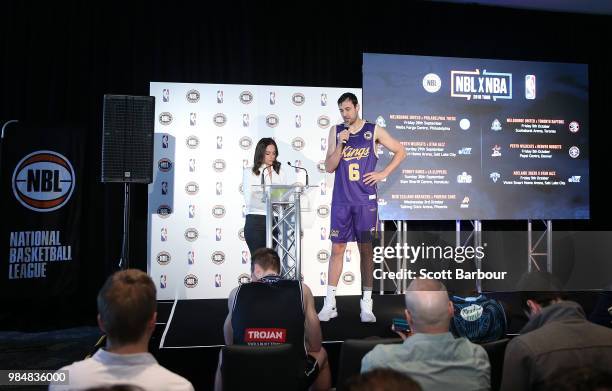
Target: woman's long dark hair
x: 260, y: 153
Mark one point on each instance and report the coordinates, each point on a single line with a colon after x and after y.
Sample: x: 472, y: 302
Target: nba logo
x: 218, y: 234
x: 323, y: 99
x: 162, y: 281
x: 245, y: 163
x: 219, y: 142
x: 219, y: 189
x: 191, y: 211
x: 347, y: 255
x: 165, y: 141
x: 166, y: 95
x: 191, y: 257
x: 164, y: 234
x: 298, y: 163
x: 530, y: 87
x: 245, y: 256
x: 298, y: 121
x: 245, y: 120
x: 244, y: 211
x: 217, y: 280
x: 219, y: 96
x: 323, y: 188
x: 272, y: 97
x: 323, y: 278
x: 164, y: 188
x: 323, y: 144
x: 323, y: 233
x: 192, y: 119
x: 192, y: 165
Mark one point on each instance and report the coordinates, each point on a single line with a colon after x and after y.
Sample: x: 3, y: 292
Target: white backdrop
x: 204, y: 135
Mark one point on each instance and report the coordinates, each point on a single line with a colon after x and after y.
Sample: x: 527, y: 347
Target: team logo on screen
x: 272, y: 120
x: 323, y: 211
x: 323, y: 256
x: 192, y: 188
x: 323, y: 121
x: 496, y: 125
x: 494, y: 176
x: 321, y: 166
x: 465, y: 151
x: 192, y: 142
x: 574, y: 179
x: 164, y: 164
x: 432, y: 83
x: 367, y: 135
x: 464, y: 177
x: 165, y: 118
x: 465, y: 203
x: 380, y: 121
x: 218, y: 211
x: 219, y: 119
x: 245, y: 142
x: 473, y: 85
x: 530, y: 87
x: 348, y: 278
x: 218, y: 257
x: 163, y: 258
x: 43, y: 181
x: 298, y: 99
x: 191, y: 280
x: 574, y: 152
x: 298, y: 143
x: 574, y: 127
x: 219, y: 165
x: 164, y: 211
x: 244, y: 279
x: 191, y: 234
x: 464, y: 124
x: 246, y: 97
x: 193, y: 96
x: 241, y: 234
x: 496, y: 151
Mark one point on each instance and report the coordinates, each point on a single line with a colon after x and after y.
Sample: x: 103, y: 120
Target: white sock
x: 367, y: 295
x: 331, y: 296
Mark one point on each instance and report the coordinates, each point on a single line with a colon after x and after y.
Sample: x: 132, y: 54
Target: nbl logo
x: 191, y: 280
x: 272, y: 120
x: 298, y: 143
x: 163, y: 258
x: 219, y: 119
x: 164, y: 211
x: 246, y: 97
x: 165, y: 165
x: 244, y: 279
x: 348, y: 278
x: 192, y: 142
x: 323, y: 121
x: 192, y: 188
x: 241, y: 234
x: 165, y: 118
x: 298, y: 99
x: 219, y: 165
x: 193, y: 96
x: 323, y: 211
x: 191, y: 234
x: 218, y: 211
x: 323, y: 256
x: 43, y: 181
x: 432, y: 83
x: 245, y: 142
x: 218, y: 257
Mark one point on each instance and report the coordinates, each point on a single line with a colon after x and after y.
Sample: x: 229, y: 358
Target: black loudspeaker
x: 127, y: 141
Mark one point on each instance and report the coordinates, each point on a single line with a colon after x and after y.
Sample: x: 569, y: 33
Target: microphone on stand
x: 301, y: 168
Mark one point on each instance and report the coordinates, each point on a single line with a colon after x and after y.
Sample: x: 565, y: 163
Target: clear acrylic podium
x: 283, y: 218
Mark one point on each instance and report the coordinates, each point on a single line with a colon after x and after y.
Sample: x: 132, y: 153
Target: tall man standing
x: 351, y: 154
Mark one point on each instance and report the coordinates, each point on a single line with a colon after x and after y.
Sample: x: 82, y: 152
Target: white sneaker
x: 327, y: 312
x: 367, y: 315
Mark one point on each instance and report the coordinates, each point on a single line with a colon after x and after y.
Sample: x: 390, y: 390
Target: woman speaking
x: 266, y: 169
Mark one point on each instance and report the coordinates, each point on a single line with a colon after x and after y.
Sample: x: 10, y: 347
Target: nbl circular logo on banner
x: 192, y: 142
x: 244, y: 279
x: 219, y: 165
x: 165, y: 118
x: 323, y: 211
x: 298, y: 99
x: 245, y: 142
x: 323, y: 256
x: 43, y: 181
x: 164, y: 211
x: 163, y: 258
x: 272, y: 120
x: 219, y: 119
x: 246, y: 97
x: 193, y: 96
x: 191, y: 281
x: 165, y: 165
x: 218, y: 257
x: 218, y: 211
x: 348, y: 278
x: 323, y: 121
x: 298, y: 143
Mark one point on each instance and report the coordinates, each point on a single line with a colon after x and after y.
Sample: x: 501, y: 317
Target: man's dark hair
x: 579, y: 379
x: 541, y: 287
x: 382, y: 379
x: 126, y: 303
x: 350, y: 96
x: 266, y: 258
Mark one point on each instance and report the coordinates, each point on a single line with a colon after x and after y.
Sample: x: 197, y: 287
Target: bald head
x: 428, y: 305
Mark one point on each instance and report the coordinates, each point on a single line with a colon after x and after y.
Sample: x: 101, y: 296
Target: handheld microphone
x: 301, y: 168
x: 346, y: 127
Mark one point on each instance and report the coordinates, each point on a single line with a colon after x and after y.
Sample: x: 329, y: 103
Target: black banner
x: 41, y: 197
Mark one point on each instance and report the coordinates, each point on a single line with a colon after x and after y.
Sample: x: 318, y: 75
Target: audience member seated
x: 557, y: 336
x: 477, y: 317
x: 269, y: 302
x: 431, y: 355
x: 580, y: 379
x: 127, y: 314
x: 382, y: 380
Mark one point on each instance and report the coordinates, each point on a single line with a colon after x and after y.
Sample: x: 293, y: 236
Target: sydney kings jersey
x: 358, y: 158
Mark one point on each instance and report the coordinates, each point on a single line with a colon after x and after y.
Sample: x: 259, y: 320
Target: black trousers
x: 255, y: 232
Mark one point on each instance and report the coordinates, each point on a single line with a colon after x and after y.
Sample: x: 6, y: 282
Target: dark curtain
x: 59, y: 58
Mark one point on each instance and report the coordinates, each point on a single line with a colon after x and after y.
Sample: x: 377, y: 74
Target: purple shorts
x: 353, y: 223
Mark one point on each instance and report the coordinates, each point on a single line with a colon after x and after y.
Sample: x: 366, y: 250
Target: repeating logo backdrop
x: 205, y: 134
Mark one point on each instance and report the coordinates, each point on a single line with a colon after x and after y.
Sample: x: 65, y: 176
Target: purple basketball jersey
x: 358, y: 158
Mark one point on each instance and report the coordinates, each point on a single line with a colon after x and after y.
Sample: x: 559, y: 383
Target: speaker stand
x: 124, y: 261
